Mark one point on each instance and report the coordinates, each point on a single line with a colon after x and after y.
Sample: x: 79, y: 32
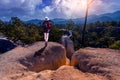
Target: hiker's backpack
x: 46, y: 25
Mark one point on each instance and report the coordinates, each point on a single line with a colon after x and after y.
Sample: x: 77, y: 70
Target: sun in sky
x: 76, y: 7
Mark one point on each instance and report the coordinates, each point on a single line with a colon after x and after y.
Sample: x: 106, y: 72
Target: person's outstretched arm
x: 70, y: 32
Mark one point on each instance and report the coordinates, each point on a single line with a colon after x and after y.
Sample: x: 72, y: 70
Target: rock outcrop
x: 6, y: 45
x: 20, y: 59
x: 105, y: 62
x: 40, y: 62
x: 63, y: 73
x: 68, y: 44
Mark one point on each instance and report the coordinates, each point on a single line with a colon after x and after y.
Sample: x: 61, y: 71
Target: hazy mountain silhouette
x: 35, y: 21
x: 115, y: 16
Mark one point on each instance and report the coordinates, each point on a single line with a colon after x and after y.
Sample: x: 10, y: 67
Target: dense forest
x: 98, y: 34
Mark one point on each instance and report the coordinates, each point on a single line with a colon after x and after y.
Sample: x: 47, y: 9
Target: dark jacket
x: 46, y: 26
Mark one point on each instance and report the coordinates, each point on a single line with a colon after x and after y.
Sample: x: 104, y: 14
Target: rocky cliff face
x: 62, y: 73
x: 21, y: 59
x: 105, y: 62
x: 37, y: 62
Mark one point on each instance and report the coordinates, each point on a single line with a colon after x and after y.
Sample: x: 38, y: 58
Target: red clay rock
x: 21, y: 59
x: 101, y: 61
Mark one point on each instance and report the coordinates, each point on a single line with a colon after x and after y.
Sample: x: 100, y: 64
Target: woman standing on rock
x: 46, y: 26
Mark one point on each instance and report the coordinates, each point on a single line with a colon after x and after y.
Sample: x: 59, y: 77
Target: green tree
x: 15, y: 29
x: 2, y: 27
x: 55, y: 34
x: 115, y: 45
x: 32, y: 34
x: 70, y: 25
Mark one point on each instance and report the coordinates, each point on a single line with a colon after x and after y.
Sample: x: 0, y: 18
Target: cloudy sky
x: 38, y: 9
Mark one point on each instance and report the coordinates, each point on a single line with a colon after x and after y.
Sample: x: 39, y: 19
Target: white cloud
x: 76, y: 8
x: 18, y: 8
x: 104, y: 6
x: 47, y: 9
x: 66, y: 8
x: 29, y: 9
x: 30, y: 4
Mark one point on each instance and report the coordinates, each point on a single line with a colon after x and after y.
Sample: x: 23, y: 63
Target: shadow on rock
x: 38, y: 53
x: 6, y: 45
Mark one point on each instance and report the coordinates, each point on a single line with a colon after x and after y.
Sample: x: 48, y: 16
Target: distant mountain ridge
x: 35, y: 21
x: 115, y: 16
